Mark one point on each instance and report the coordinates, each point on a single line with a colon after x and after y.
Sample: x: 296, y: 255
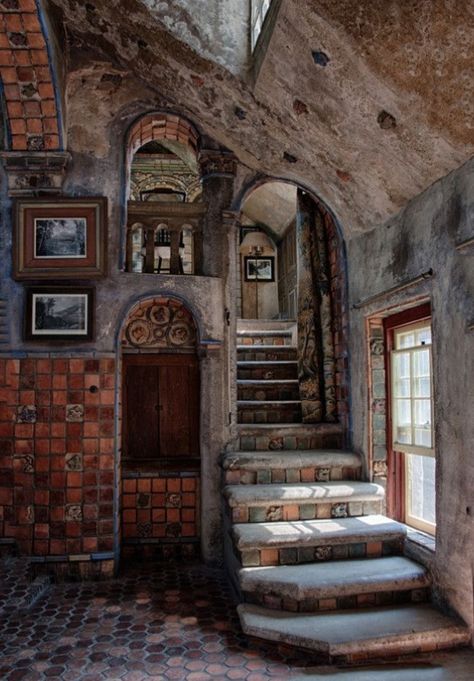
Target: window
x: 258, y: 12
x: 412, y: 420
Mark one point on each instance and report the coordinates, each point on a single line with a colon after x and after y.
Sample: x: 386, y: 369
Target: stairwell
x: 315, y: 562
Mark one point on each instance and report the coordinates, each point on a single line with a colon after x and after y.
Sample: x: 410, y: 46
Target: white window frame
x: 412, y: 449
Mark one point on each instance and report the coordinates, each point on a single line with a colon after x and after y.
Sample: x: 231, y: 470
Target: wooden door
x: 160, y: 408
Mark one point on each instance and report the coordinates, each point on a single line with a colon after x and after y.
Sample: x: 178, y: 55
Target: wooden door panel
x: 178, y: 411
x: 142, y: 398
x: 161, y: 407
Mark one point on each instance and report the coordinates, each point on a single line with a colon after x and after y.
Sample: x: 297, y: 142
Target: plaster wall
x: 217, y: 31
x: 423, y: 236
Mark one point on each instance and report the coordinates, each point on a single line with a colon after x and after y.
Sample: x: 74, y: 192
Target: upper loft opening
x: 258, y: 12
x: 164, y: 179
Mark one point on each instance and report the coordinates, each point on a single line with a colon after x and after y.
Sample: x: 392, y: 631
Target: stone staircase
x: 313, y: 560
x: 267, y: 373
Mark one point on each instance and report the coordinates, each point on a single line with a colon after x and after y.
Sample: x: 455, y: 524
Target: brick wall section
x: 156, y: 127
x: 160, y: 510
x: 57, y: 455
x: 340, y: 318
x: 26, y: 75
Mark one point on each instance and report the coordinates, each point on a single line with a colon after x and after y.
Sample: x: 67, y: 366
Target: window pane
x: 421, y: 373
x: 421, y: 488
x: 403, y: 421
x: 405, y: 340
x: 423, y: 423
x: 423, y: 336
x: 401, y: 371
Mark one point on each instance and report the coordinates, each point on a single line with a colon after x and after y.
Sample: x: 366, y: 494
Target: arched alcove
x: 163, y: 191
x: 160, y: 429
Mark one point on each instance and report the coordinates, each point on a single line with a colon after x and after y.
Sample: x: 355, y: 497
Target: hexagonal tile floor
x: 165, y: 622
x: 154, y: 622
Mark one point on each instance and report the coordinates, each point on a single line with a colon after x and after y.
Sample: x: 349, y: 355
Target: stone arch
x: 32, y: 104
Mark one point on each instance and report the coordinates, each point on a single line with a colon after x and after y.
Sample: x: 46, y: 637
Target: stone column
x: 217, y: 177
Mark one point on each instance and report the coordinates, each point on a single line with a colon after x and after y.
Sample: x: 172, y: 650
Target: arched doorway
x: 160, y: 430
x: 293, y: 305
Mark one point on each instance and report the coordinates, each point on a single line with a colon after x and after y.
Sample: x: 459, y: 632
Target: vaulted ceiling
x: 390, y: 112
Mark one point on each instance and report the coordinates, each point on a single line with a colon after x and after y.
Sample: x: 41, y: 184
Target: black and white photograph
x: 60, y: 238
x: 59, y: 314
x: 259, y: 269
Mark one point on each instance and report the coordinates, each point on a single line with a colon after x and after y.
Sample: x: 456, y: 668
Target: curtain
x: 316, y: 362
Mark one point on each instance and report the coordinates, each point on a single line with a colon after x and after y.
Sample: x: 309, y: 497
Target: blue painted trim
x: 52, y: 70
x: 6, y: 119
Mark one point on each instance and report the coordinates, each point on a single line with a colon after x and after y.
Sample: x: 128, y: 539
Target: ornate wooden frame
x: 28, y: 265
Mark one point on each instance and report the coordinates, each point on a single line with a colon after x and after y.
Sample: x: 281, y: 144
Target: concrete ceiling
x: 273, y: 204
x: 322, y: 126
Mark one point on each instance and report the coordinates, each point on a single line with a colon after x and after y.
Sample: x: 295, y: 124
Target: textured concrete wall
x: 424, y: 235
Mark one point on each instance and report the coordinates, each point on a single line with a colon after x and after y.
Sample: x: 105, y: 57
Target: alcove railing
x: 164, y: 238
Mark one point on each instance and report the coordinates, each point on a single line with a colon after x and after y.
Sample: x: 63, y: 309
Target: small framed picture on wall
x: 60, y: 238
x: 59, y: 313
x: 260, y: 268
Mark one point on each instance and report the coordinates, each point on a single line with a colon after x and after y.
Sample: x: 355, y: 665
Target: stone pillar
x: 217, y: 176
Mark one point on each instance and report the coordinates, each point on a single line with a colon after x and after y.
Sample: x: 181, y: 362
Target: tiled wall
x: 160, y: 513
x: 340, y: 318
x: 25, y: 71
x: 378, y: 400
x: 57, y: 456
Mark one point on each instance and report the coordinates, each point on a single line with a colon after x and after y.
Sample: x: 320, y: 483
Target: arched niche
x: 161, y: 464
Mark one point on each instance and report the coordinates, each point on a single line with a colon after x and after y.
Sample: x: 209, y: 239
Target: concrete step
x: 290, y: 543
x: 267, y: 371
x: 282, y: 436
x: 273, y: 412
x: 263, y: 503
x: 290, y: 466
x: 341, y: 585
x: 266, y: 353
x: 354, y: 635
x: 268, y: 391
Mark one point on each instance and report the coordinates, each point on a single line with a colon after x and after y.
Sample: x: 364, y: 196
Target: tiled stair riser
x: 267, y: 372
x: 273, y: 413
x: 289, y: 475
x: 268, y: 392
x: 304, y: 511
x: 261, y: 557
x: 265, y: 340
x: 362, y: 600
x: 268, y: 441
x: 265, y: 354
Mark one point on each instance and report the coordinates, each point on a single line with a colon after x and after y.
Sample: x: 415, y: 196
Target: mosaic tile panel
x: 57, y: 455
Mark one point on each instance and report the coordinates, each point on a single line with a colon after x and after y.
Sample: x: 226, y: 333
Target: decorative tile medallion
x: 26, y: 413
x: 75, y: 413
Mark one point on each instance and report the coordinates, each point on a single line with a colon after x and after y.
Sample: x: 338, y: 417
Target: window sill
x: 420, y: 546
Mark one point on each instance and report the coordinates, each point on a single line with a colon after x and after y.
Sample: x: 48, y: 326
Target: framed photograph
x: 59, y: 313
x: 259, y: 268
x: 60, y: 238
